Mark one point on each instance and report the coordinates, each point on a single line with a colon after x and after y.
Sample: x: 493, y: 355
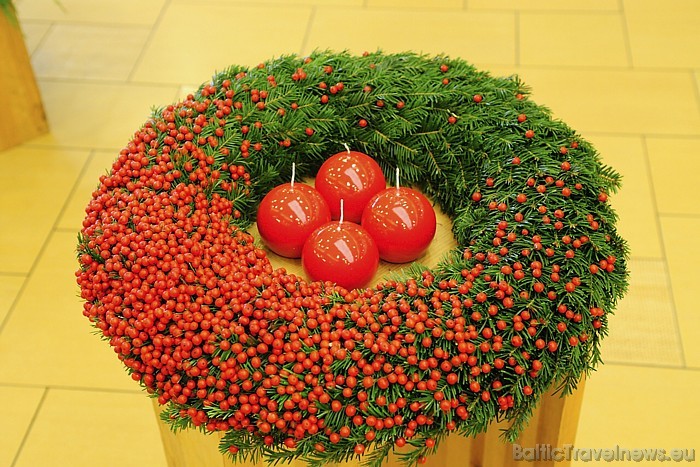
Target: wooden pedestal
x: 553, y: 423
x: 22, y: 117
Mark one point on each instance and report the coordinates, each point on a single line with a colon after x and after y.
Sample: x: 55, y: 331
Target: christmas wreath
x: 289, y: 368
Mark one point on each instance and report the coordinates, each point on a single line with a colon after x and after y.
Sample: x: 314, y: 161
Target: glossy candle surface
x: 352, y: 176
x: 402, y: 222
x: 341, y: 252
x: 287, y: 216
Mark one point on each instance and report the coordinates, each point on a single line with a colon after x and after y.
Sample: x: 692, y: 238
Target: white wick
x: 397, y: 178
x: 294, y: 169
x: 342, y: 213
x: 347, y: 148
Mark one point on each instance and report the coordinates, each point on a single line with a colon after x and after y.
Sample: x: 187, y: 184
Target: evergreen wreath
x: 290, y: 369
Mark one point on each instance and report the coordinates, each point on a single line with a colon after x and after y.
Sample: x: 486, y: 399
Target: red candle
x: 288, y: 214
x: 341, y: 252
x: 401, y: 221
x: 353, y: 177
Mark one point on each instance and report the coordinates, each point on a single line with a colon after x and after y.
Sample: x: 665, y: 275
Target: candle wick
x: 347, y: 148
x: 397, y: 178
x: 342, y: 213
x: 294, y: 167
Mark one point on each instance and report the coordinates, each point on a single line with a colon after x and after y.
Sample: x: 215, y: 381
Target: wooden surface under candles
x: 554, y: 423
x: 442, y: 242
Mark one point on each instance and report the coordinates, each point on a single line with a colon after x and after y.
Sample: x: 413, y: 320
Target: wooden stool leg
x: 553, y: 423
x: 23, y: 116
x: 188, y: 448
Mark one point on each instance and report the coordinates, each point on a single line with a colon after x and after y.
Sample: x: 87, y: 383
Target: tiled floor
x: 624, y: 73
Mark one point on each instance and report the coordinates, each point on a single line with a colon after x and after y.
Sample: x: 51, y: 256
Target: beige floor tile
x: 243, y: 37
x: 643, y: 330
x: 683, y: 257
x: 478, y: 37
x: 674, y: 166
x: 9, y: 288
x: 419, y: 4
x: 20, y: 406
x: 634, y: 202
x: 582, y: 39
x: 631, y: 102
x: 95, y: 115
x: 47, y: 340
x: 545, y: 5
x: 89, y: 52
x: 36, y: 183
x: 89, y: 11
x: 84, y: 428
x: 100, y: 163
x: 637, y: 407
x: 664, y: 36
x: 34, y: 33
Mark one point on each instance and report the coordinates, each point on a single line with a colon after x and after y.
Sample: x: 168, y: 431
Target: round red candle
x: 341, y: 252
x: 352, y: 176
x: 288, y: 214
x: 402, y: 222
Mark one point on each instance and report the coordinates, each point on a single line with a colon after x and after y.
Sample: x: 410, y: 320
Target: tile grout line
x: 652, y: 365
x: 29, y: 428
x: 607, y: 68
x: 12, y: 274
x: 62, y: 230
x: 147, y: 42
x: 100, y: 81
x: 63, y: 147
x: 645, y: 258
x: 640, y: 135
x: 589, y: 68
x: 100, y: 24
x: 669, y: 283
x: 626, y: 34
x: 679, y: 215
x: 548, y: 12
x: 74, y: 388
x: 307, y: 32
x: 43, y: 39
x: 44, y: 245
x: 96, y: 24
